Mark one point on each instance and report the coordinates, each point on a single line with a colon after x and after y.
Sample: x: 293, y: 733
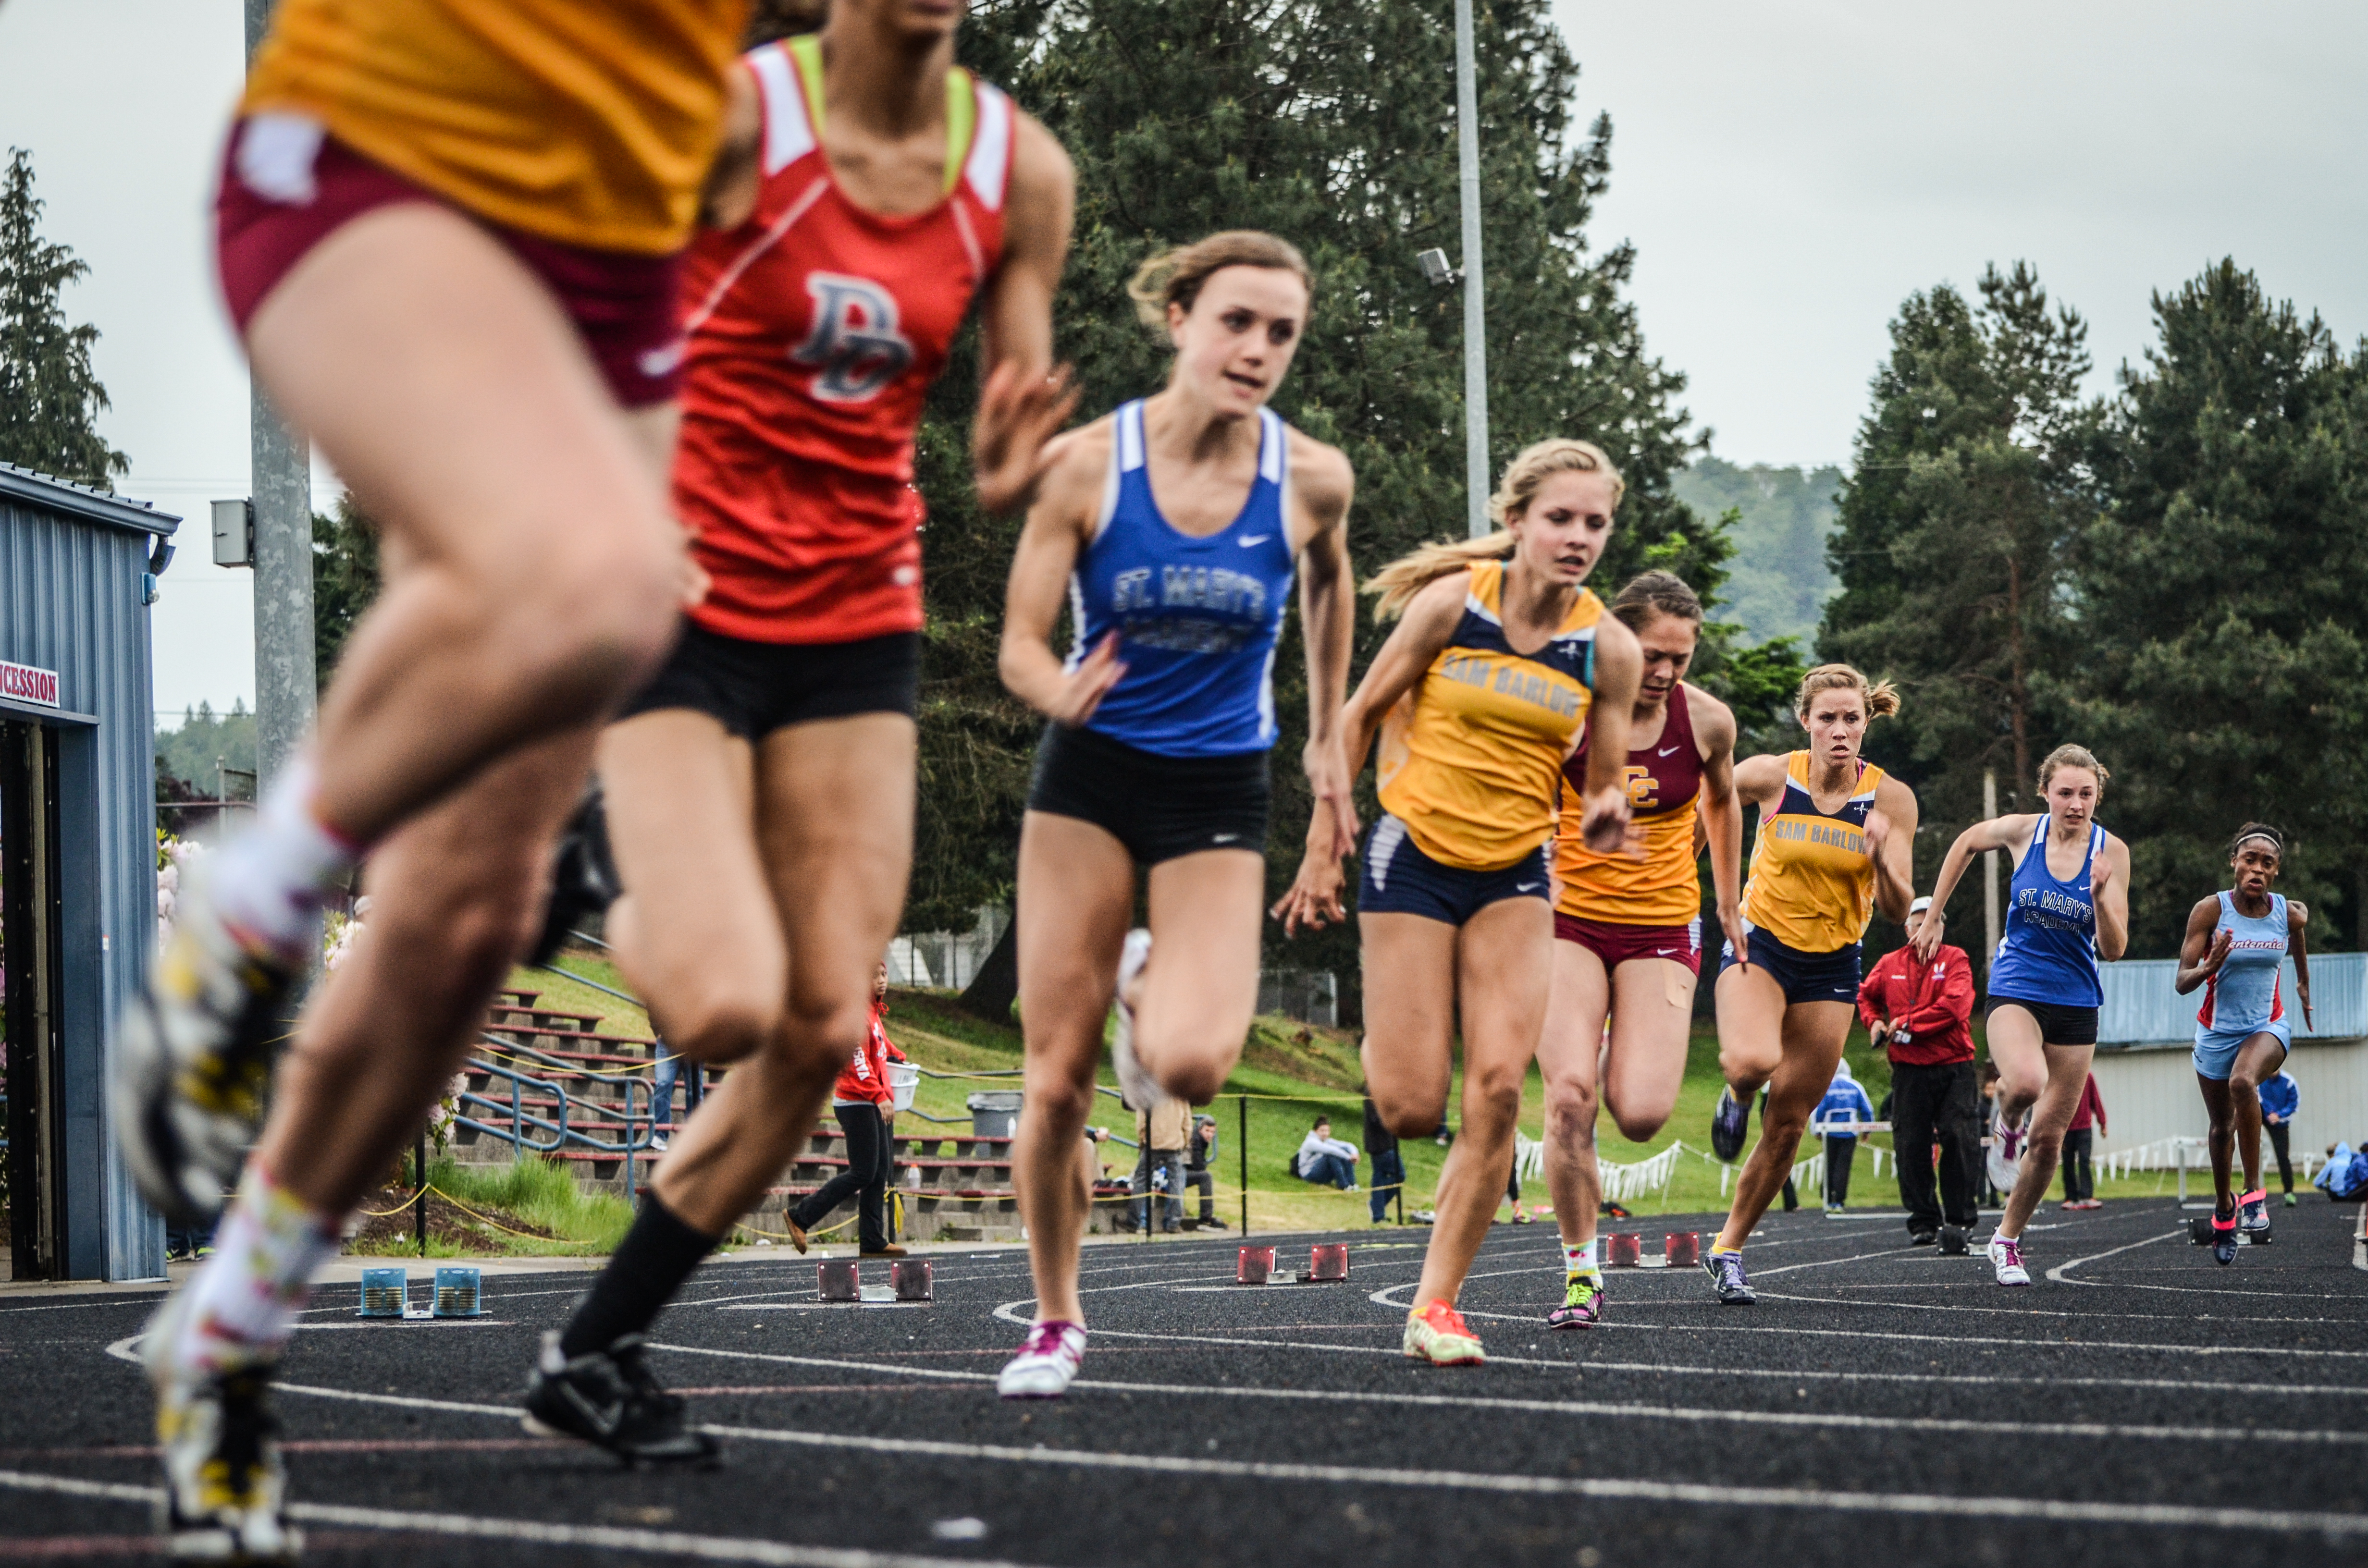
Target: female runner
x: 759, y: 791
x: 2067, y: 907
x: 1173, y: 528
x: 1482, y: 690
x: 449, y: 238
x: 1836, y: 840
x: 1628, y: 927
x: 2236, y: 940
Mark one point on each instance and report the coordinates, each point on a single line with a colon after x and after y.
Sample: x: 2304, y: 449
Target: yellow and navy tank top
x: 1811, y: 884
x: 1469, y: 758
x: 590, y: 123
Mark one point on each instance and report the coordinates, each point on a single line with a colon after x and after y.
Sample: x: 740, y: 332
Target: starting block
x: 1953, y: 1241
x: 1255, y: 1267
x: 1624, y: 1249
x: 910, y: 1276
x: 386, y: 1293
x: 459, y: 1292
x: 1327, y: 1264
x: 1682, y: 1249
x: 834, y: 1280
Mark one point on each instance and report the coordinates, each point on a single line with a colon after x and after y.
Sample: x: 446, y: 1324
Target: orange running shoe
x: 1436, y: 1334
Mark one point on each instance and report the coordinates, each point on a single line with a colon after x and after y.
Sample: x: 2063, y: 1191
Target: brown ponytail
x: 1882, y: 697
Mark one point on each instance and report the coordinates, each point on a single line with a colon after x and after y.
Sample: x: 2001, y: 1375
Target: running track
x: 2139, y: 1405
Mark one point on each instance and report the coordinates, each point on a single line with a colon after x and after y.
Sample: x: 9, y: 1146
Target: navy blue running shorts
x: 1805, y: 977
x: 1398, y: 878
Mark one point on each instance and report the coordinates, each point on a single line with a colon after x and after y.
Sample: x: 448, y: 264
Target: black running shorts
x: 2058, y: 1025
x: 754, y: 689
x: 1159, y: 807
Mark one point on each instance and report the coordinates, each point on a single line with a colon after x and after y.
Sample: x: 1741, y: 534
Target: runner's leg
x: 1198, y: 990
x: 1811, y: 1036
x: 1570, y: 1052
x: 2067, y: 1074
x: 1752, y: 1028
x: 2220, y: 1138
x: 2023, y: 1061
x: 2256, y: 1061
x: 1408, y: 964
x: 1652, y: 1014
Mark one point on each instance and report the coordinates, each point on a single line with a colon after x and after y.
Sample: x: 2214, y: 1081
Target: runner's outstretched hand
x: 1019, y: 415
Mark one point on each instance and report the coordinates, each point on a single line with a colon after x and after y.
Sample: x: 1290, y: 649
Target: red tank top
x: 1618, y: 889
x: 811, y: 335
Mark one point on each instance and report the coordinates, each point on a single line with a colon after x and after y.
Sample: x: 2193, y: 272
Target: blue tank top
x: 2245, y: 994
x: 2049, y: 952
x: 1197, y: 619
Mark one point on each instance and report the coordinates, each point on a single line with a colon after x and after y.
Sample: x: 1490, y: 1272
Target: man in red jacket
x: 1919, y: 1012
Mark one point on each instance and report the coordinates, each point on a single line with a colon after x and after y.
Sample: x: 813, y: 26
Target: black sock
x: 657, y: 1255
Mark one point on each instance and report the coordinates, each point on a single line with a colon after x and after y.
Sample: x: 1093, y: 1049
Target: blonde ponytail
x: 1396, y: 584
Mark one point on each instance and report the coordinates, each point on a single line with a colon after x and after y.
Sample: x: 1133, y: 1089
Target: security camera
x: 1435, y: 268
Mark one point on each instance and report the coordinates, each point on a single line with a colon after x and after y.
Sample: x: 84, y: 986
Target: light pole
x: 1475, y: 321
x: 283, y: 487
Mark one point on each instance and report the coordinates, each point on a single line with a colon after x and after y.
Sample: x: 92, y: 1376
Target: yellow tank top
x: 1664, y: 780
x: 1811, y: 884
x: 1469, y: 757
x: 591, y: 122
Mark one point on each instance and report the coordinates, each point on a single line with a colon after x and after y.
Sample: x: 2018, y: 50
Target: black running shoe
x: 1922, y: 1238
x: 611, y: 1399
x: 584, y: 878
x: 1729, y: 1122
x: 2224, y: 1240
x: 1726, y: 1279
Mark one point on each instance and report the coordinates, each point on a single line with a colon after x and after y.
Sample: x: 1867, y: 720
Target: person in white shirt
x: 1326, y: 1158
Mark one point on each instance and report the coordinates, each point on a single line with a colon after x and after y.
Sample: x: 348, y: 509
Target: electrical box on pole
x: 234, y: 532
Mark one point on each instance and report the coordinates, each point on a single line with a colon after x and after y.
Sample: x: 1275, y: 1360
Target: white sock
x: 1580, y: 1259
x: 272, y: 879
x: 246, y: 1298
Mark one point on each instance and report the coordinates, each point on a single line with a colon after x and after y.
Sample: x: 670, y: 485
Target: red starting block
x: 834, y: 1280
x: 1683, y: 1249
x: 910, y: 1276
x: 1327, y: 1264
x: 1624, y: 1249
x: 1257, y: 1266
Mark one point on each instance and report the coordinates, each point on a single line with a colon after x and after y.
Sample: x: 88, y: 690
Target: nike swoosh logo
x: 1254, y: 539
x: 1527, y: 887
x: 1222, y: 837
x: 1665, y: 751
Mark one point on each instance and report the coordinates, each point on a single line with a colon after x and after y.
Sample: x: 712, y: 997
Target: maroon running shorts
x: 285, y: 190
x: 1615, y: 945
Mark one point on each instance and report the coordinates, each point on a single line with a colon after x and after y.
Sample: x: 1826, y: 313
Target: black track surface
x: 1881, y: 1404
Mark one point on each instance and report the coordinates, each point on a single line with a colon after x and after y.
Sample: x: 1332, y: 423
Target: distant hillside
x: 1777, y: 583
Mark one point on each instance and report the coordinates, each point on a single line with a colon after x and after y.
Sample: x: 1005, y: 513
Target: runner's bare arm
x: 1998, y: 832
x: 2109, y: 885
x: 1891, y: 838
x: 2203, y: 946
x: 2298, y: 917
x: 1619, y: 666
x: 1023, y: 402
x: 1057, y: 528
x: 1325, y: 486
x: 1721, y: 806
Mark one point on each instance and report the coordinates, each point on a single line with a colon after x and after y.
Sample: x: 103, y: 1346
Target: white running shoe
x: 2006, y: 1261
x: 1137, y: 1087
x: 225, y: 1489
x: 1054, y: 1352
x: 2004, y: 1156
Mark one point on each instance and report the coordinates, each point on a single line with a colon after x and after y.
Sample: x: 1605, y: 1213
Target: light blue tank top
x: 2049, y: 952
x: 1197, y: 619
x: 2245, y: 994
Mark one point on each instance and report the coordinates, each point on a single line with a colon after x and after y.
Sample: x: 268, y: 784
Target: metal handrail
x: 638, y: 1127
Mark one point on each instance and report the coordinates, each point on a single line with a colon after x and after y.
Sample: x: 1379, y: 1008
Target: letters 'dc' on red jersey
x: 811, y: 334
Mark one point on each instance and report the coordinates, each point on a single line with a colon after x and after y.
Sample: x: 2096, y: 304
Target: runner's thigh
x: 1570, y: 1046
x: 1408, y: 965
x: 834, y: 806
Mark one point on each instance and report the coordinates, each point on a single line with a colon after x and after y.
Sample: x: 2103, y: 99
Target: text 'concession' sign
x: 23, y: 683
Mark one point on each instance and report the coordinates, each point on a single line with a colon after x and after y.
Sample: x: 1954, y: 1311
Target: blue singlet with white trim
x: 1197, y: 619
x: 2049, y: 952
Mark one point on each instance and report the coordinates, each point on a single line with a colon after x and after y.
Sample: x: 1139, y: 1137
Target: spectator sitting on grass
x: 1327, y: 1160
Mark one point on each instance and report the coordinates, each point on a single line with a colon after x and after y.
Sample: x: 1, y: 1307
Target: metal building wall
x: 2150, y: 1093
x: 71, y: 593
x: 2141, y: 1009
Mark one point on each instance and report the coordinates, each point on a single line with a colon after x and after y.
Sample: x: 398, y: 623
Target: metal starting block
x: 910, y: 1276
x: 834, y: 1280
x: 1256, y: 1268
x: 386, y: 1293
x: 1328, y: 1264
x: 459, y: 1292
x: 1682, y: 1249
x: 1624, y: 1249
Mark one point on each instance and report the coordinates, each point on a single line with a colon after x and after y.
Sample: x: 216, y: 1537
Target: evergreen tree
x: 1331, y: 124
x: 49, y: 398
x: 2221, y: 592
x: 1964, y: 495
x: 345, y: 580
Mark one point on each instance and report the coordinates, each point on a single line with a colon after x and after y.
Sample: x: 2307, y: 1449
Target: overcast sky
x: 1788, y: 172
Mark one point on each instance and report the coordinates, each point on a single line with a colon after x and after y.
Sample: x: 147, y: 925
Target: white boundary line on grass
x: 608, y: 1538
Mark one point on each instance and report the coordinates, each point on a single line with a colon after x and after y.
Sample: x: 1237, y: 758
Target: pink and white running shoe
x: 1054, y: 1352
x: 2006, y: 1261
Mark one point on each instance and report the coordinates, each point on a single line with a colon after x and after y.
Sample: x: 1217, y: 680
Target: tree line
x: 2172, y: 574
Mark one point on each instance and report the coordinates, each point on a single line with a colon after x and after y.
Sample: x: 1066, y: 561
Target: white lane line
x: 2023, y: 1311
x: 2057, y: 1273
x: 1629, y: 1411
x: 598, y: 1538
x: 2275, y: 1520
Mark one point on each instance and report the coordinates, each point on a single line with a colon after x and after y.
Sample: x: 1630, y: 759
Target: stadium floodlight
x: 1436, y: 269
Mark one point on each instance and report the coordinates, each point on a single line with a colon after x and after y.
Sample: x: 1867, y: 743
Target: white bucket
x: 904, y: 1078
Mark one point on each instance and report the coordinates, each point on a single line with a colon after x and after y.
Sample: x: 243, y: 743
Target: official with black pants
x: 1921, y: 1013
x: 860, y: 1100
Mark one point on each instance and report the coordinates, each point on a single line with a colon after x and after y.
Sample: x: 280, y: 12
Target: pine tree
x: 2221, y: 594
x: 1964, y: 498
x: 345, y: 580
x: 1331, y: 124
x: 49, y: 398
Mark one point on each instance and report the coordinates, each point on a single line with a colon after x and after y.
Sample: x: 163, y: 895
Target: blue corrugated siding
x: 2142, y: 1009
x: 70, y: 592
